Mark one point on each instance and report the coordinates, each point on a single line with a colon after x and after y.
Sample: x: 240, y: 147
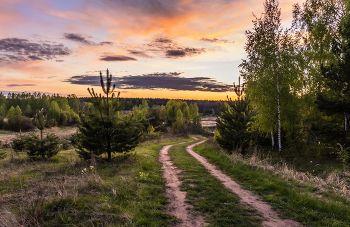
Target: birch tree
x: 272, y: 69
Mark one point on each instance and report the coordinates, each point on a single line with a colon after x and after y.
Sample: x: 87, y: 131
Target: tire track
x: 178, y: 206
x: 272, y: 219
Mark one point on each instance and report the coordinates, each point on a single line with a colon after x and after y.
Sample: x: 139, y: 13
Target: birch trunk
x: 345, y: 122
x: 279, y: 118
x: 272, y: 140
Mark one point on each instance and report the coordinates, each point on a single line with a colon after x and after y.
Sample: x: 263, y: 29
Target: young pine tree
x: 233, y: 124
x: 102, y: 129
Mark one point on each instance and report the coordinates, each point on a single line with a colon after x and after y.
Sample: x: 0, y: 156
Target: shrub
x: 19, y: 123
x: 18, y: 144
x: 64, y: 118
x: 47, y: 147
x: 74, y: 117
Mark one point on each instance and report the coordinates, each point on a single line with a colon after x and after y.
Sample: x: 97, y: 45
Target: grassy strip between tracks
x: 209, y: 197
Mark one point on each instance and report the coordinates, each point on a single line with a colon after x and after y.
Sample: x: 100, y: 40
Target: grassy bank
x: 65, y: 190
x: 292, y: 199
x: 209, y: 197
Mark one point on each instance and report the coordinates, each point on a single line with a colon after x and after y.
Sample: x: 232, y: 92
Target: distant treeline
x: 20, y: 108
x: 204, y: 106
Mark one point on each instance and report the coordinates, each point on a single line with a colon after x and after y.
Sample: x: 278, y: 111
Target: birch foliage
x: 273, y: 68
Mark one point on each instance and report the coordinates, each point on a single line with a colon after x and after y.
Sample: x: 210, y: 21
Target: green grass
x: 209, y: 197
x: 130, y: 191
x: 289, y: 198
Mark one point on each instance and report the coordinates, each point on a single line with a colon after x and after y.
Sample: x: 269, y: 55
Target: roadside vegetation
x: 64, y: 189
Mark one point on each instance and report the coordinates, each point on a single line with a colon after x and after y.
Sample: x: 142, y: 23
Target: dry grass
x: 63, y: 190
x: 27, y: 185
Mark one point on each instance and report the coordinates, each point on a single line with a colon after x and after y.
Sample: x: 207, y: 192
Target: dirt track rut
x: 272, y: 219
x: 179, y: 208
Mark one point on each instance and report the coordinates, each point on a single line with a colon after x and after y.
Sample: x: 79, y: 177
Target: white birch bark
x: 279, y: 117
x: 272, y: 140
x: 345, y: 116
x: 345, y: 122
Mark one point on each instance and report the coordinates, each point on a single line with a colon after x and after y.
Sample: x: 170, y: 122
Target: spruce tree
x: 102, y: 129
x: 233, y: 125
x: 337, y: 99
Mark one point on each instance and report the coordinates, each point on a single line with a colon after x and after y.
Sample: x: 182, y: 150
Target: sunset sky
x: 186, y: 49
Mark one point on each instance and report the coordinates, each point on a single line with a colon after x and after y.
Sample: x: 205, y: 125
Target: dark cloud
x: 20, y: 85
x: 139, y: 53
x: 15, y: 49
x: 170, y: 81
x: 106, y: 43
x: 59, y: 60
x: 184, y: 52
x: 215, y: 40
x: 168, y: 48
x: 163, y: 40
x: 117, y: 58
x: 34, y: 58
x: 77, y: 38
x: 15, y: 58
x: 175, y: 53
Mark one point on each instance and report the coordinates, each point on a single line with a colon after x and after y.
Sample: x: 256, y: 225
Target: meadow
x: 131, y: 190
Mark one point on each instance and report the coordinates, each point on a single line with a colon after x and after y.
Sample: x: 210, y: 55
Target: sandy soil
x: 272, y: 219
x: 209, y: 121
x: 178, y: 206
x: 7, y: 136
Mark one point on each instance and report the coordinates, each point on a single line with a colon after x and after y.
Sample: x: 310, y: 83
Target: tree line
x: 296, y: 78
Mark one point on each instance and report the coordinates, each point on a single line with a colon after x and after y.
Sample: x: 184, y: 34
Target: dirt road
x: 179, y: 208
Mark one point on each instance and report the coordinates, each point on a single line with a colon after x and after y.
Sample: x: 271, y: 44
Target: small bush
x: 19, y: 123
x: 35, y: 147
x: 48, y: 147
x: 18, y: 144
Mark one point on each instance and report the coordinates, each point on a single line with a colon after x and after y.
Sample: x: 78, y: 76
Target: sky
x: 178, y: 49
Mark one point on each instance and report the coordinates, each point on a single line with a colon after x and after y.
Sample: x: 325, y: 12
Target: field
x: 133, y: 189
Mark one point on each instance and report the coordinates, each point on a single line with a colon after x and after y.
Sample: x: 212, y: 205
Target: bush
x: 48, y: 147
x: 18, y: 144
x: 34, y: 147
x: 63, y: 118
x: 19, y: 123
x: 74, y: 117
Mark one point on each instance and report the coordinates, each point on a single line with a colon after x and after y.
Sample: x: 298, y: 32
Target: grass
x: 209, y: 197
x: 292, y: 199
x: 129, y: 191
